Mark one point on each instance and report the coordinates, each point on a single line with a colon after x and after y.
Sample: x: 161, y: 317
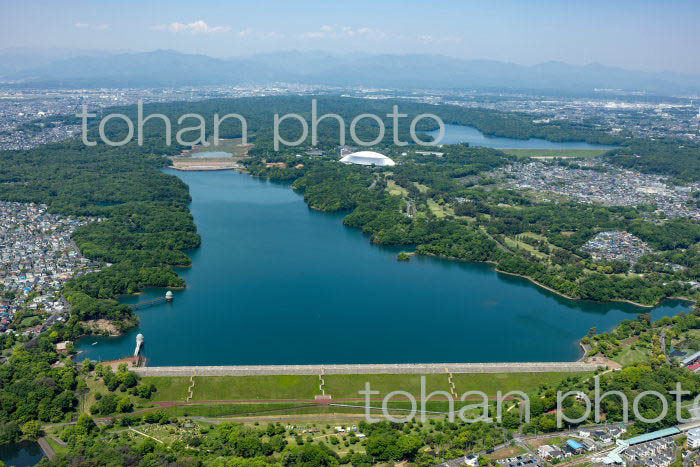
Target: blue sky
x: 641, y: 35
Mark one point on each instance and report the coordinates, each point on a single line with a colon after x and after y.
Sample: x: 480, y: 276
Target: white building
x: 367, y: 158
x: 694, y: 438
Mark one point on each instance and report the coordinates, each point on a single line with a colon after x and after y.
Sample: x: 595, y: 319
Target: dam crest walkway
x: 380, y: 368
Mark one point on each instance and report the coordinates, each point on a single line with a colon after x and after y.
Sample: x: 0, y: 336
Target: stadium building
x: 367, y: 158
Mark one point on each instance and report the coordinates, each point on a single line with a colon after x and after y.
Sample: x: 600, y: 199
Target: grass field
x: 224, y: 388
x: 221, y: 410
x: 169, y: 388
x: 255, y: 387
x: 395, y: 189
x: 422, y: 188
x: 535, y: 443
x: 552, y: 153
x: 629, y: 356
x: 59, y: 449
x: 347, y: 386
x: 273, y: 409
x: 514, y: 244
x: 491, y: 383
x: 232, y: 146
x: 436, y: 209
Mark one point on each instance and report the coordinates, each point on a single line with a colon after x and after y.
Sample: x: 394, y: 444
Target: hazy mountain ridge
x: 170, y: 68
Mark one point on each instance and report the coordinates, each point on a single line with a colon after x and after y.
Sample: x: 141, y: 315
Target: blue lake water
x: 275, y: 282
x: 23, y: 454
x: 455, y: 134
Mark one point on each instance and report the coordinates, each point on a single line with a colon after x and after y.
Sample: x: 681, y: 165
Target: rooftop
x: 652, y: 436
x: 367, y: 158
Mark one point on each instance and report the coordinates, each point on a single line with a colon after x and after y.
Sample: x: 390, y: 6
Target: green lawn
x: 491, y: 383
x: 629, y: 356
x: 221, y: 388
x: 436, y: 209
x: 219, y: 410
x: 422, y: 188
x: 255, y: 387
x: 535, y: 236
x: 301, y: 408
x: 225, y: 145
x: 57, y: 447
x: 169, y: 388
x: 395, y: 189
x: 514, y: 244
x: 347, y: 386
x: 566, y: 153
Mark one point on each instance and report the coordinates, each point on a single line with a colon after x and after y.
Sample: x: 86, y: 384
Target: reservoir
x: 275, y: 282
x: 455, y: 134
x: 21, y: 454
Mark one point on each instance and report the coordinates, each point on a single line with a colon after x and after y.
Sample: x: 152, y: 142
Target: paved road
x: 407, y: 368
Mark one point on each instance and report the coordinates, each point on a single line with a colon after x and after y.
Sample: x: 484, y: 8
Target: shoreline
x: 561, y: 294
x: 494, y: 266
x: 618, y: 300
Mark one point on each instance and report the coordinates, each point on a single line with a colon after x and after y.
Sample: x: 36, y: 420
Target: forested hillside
x: 144, y: 223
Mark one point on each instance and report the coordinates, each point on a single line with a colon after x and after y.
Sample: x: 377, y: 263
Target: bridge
x: 156, y: 301
x: 149, y: 303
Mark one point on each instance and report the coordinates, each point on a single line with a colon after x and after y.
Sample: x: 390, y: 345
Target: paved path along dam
x: 384, y: 368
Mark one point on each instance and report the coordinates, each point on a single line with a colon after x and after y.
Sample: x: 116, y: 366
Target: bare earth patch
x: 505, y: 453
x: 98, y: 326
x: 203, y: 164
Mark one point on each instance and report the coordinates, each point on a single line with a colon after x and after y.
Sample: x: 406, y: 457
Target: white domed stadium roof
x: 367, y: 158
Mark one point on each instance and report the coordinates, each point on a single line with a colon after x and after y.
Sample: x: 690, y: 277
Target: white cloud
x: 430, y: 39
x: 340, y: 32
x: 197, y: 27
x: 344, y: 32
x: 258, y: 34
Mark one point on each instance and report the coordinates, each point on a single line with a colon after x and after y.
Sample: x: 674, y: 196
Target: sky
x: 637, y: 35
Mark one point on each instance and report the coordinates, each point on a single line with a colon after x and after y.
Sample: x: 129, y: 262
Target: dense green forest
x: 259, y: 115
x: 142, y: 222
x: 677, y: 159
x: 477, y: 222
x: 663, y: 156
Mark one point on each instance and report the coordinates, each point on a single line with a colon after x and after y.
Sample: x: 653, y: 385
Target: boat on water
x: 94, y: 343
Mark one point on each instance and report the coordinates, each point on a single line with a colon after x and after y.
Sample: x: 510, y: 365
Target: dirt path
x: 147, y: 436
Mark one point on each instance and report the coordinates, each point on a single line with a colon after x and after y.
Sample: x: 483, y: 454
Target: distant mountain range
x: 169, y: 68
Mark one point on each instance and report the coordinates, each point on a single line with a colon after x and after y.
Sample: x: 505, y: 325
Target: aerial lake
x: 22, y: 454
x: 275, y: 282
x: 455, y: 134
